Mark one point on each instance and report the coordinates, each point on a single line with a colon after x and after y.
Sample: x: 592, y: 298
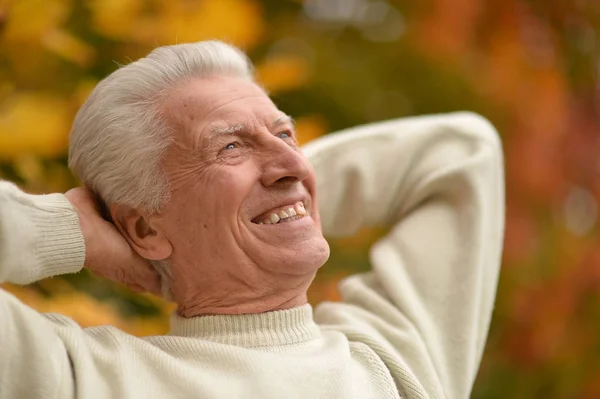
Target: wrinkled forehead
x: 200, y: 106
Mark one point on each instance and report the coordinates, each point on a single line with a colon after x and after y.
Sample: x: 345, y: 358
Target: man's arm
x: 47, y: 235
x: 437, y: 181
x: 39, y: 237
x: 43, y: 236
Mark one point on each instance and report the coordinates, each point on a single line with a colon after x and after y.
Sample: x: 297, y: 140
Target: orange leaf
x: 283, y: 73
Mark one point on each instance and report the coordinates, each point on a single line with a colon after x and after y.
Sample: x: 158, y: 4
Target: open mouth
x: 287, y: 213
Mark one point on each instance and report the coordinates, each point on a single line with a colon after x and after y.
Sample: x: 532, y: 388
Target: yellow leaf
x: 83, y: 90
x: 85, y: 310
x: 282, y: 73
x: 69, y: 47
x: 310, y: 127
x: 29, y: 168
x: 29, y: 20
x: 145, y: 326
x: 238, y: 22
x: 116, y: 19
x: 33, y: 124
x: 361, y: 240
x: 6, y: 88
x: 25, y: 294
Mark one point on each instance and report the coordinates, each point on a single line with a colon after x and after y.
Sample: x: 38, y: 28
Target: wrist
x: 61, y: 246
x: 42, y: 236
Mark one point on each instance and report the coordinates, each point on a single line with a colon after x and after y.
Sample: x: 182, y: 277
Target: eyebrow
x: 282, y: 120
x: 238, y: 127
x: 231, y: 129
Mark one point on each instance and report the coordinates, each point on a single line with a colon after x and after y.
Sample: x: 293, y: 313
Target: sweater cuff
x: 60, y: 244
x: 40, y: 236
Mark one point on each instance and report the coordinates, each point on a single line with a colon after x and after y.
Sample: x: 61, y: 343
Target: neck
x: 244, y: 296
x: 251, y: 290
x: 281, y: 301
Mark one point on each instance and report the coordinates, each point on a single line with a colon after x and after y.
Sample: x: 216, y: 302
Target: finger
x: 83, y: 197
x: 145, y: 277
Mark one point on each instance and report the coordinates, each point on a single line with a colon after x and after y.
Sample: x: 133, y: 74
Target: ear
x: 141, y: 232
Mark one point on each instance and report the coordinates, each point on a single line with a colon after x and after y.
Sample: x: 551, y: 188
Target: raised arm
x: 43, y: 236
x: 39, y: 237
x: 437, y: 181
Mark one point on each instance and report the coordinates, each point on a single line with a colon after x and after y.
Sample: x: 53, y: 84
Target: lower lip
x: 292, y: 223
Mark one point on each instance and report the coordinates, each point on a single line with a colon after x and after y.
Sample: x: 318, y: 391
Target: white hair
x: 119, y: 135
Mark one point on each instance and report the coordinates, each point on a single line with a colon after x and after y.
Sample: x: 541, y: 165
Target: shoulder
x: 104, y: 337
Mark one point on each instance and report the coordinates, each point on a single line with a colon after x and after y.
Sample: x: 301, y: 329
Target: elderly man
x: 210, y: 201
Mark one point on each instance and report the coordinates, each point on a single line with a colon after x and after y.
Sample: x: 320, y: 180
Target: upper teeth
x: 296, y: 209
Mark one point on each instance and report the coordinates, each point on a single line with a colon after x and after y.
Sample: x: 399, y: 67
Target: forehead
x: 199, y: 105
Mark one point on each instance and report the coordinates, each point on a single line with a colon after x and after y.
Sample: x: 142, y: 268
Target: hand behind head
x: 107, y: 253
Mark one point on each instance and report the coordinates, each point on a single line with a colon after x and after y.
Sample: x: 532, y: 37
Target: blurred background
x: 531, y: 67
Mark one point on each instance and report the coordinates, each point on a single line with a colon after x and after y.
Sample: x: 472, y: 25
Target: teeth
x: 274, y: 218
x: 290, y: 219
x: 283, y: 214
x: 300, y: 209
x: 287, y: 214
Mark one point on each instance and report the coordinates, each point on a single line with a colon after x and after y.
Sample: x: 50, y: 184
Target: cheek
x: 190, y: 206
x: 208, y: 200
x: 233, y: 189
x: 310, y: 183
x: 221, y: 193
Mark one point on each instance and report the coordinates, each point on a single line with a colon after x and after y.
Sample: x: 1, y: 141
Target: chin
x: 304, y: 261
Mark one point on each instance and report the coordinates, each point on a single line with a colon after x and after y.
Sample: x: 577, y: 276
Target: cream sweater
x: 413, y: 327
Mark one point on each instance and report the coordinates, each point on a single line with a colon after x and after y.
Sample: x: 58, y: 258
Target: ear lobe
x: 141, y: 233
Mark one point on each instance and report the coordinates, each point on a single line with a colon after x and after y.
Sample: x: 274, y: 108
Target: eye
x: 231, y: 146
x: 284, y: 135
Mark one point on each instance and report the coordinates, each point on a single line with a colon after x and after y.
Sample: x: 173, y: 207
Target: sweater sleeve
x: 437, y: 182
x: 39, y: 238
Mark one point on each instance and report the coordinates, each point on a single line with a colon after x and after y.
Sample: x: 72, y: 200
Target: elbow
x: 479, y: 131
x: 479, y: 128
x: 486, y: 141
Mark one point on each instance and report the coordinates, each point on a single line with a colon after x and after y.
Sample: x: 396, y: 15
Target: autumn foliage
x: 531, y: 67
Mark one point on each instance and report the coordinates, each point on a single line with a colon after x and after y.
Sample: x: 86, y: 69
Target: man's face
x: 243, y: 198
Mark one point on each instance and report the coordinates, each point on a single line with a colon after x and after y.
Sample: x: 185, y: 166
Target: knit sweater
x: 415, y: 326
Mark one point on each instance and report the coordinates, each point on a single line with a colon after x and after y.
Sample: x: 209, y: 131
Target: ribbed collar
x: 281, y: 327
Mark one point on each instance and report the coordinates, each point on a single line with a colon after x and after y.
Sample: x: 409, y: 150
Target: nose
x: 283, y: 164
